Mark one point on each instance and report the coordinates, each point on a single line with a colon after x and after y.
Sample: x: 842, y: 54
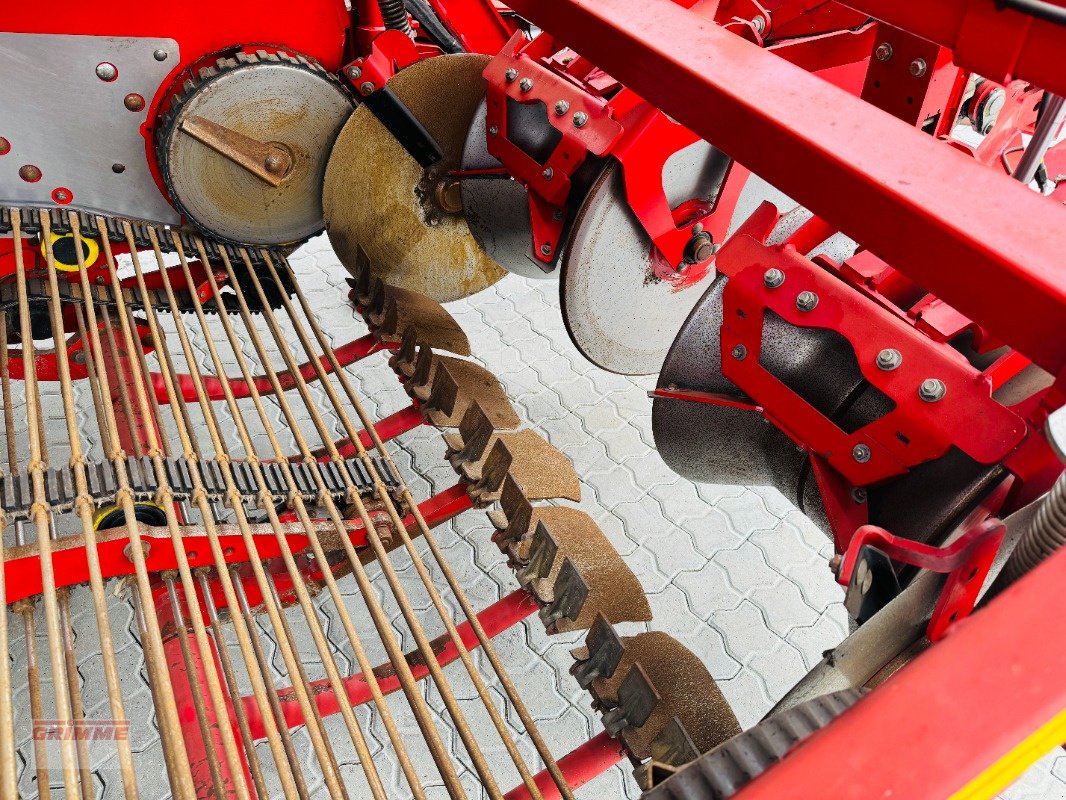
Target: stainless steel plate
x: 62, y: 118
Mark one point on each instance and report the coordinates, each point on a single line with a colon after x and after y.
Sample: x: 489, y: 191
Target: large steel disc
x: 378, y: 198
x: 273, y: 99
x: 619, y: 313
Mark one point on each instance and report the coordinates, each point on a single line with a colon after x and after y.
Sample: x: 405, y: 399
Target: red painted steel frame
x: 995, y: 42
x: 947, y: 222
x: 994, y: 680
x: 580, y: 766
x: 501, y: 615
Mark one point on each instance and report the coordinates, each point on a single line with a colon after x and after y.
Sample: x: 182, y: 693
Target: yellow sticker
x: 1016, y: 761
x: 64, y: 254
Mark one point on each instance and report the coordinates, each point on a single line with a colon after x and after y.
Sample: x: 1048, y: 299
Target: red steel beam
x: 500, y: 616
x: 998, y: 43
x: 991, y: 692
x: 985, y: 244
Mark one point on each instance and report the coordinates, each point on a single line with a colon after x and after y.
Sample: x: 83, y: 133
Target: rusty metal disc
x: 274, y: 99
x: 377, y: 197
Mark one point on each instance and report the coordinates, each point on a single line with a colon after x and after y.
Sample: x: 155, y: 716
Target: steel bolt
x: 510, y: 75
x: 888, y: 359
x: 160, y: 55
x: 525, y: 84
x: 546, y: 249
x: 5, y: 146
x: 580, y: 118
x: 548, y: 173
x: 932, y: 389
x: 740, y: 352
x: 864, y: 576
x: 883, y: 51
x: 760, y: 25
x: 773, y: 278
x: 858, y: 494
x: 806, y: 301
x: 918, y: 67
x: 106, y: 71
x: 493, y: 130
x: 79, y: 356
x: 133, y: 101
x: 30, y: 173
x: 61, y: 196
x: 354, y: 72
x: 366, y: 87
x: 861, y: 453
x: 561, y: 107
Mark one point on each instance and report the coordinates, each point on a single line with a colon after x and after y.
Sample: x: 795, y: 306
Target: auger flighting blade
x: 587, y: 576
x: 659, y: 698
x: 408, y: 218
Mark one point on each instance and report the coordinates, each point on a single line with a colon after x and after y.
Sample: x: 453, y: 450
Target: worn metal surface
x: 497, y: 209
x: 371, y: 190
x: 273, y: 99
x: 61, y: 135
x: 620, y: 313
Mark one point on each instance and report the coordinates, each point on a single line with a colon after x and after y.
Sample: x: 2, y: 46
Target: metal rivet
x: 883, y: 51
x: 493, y: 130
x: 29, y: 173
x: 117, y: 168
x: 548, y: 173
x: 865, y: 577
x: 858, y: 494
x: 61, y: 195
x: 160, y: 55
x: 354, y: 72
x: 366, y: 87
x: 133, y: 101
x: 861, y: 453
x: 546, y: 249
x: 510, y: 75
x: 561, y: 107
x: 146, y: 548
x: 773, y: 278
x: 806, y: 301
x: 889, y: 359
x: 580, y: 118
x: 525, y: 84
x: 932, y: 389
x: 79, y: 356
x: 106, y: 71
x: 918, y: 67
x: 739, y: 352
x: 557, y: 215
x: 5, y: 146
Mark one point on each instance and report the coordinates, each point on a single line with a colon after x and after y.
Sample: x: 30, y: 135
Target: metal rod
x: 1047, y: 127
x: 471, y: 615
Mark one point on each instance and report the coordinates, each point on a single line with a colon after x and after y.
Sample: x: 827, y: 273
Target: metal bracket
x: 966, y: 562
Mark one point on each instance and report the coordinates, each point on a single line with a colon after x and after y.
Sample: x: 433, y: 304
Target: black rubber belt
x: 16, y: 491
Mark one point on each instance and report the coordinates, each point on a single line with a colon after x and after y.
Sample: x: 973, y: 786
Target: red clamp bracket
x: 966, y: 562
x: 958, y: 409
x: 582, y: 120
x: 390, y: 52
